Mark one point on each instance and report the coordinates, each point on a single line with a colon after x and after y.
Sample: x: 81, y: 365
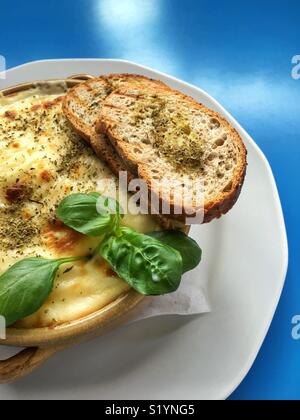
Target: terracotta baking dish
x: 41, y: 343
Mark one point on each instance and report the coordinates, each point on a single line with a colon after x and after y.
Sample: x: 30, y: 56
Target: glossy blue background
x: 238, y: 51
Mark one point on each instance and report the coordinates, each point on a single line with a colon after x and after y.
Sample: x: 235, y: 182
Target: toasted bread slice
x: 82, y: 106
x: 169, y: 140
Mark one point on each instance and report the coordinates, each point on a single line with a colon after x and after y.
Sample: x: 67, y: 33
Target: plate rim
x: 275, y: 193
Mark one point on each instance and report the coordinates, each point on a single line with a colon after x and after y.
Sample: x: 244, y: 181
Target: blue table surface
x: 238, y: 51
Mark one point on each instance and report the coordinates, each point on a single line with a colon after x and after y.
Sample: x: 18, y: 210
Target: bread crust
x: 83, y: 129
x: 99, y: 142
x: 103, y: 140
x: 223, y: 202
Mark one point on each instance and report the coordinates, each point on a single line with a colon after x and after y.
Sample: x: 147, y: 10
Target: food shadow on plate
x: 106, y: 358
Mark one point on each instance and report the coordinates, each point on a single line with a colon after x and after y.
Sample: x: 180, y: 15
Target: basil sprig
x: 145, y: 263
x: 190, y: 251
x: 89, y: 214
x: 152, y: 264
x: 26, y: 286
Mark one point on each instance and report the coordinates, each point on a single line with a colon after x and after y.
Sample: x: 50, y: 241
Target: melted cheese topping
x: 42, y: 161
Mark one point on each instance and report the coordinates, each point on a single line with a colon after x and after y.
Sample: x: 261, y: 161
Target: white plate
x: 204, y: 357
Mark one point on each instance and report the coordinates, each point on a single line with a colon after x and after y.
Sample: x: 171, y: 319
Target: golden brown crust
x: 132, y: 78
x: 212, y: 209
x: 80, y: 127
x: 226, y: 201
x: 222, y: 207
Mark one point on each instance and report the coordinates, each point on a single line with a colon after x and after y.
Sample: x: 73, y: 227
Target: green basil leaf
x: 26, y: 285
x: 190, y: 251
x: 89, y: 214
x: 145, y: 263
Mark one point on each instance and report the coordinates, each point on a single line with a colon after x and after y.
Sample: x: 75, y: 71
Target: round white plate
x: 205, y: 357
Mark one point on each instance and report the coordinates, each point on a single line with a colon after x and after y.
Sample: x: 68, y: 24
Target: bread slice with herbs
x: 171, y: 141
x: 82, y: 106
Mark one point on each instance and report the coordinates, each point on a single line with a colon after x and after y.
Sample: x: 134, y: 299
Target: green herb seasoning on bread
x: 163, y: 135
